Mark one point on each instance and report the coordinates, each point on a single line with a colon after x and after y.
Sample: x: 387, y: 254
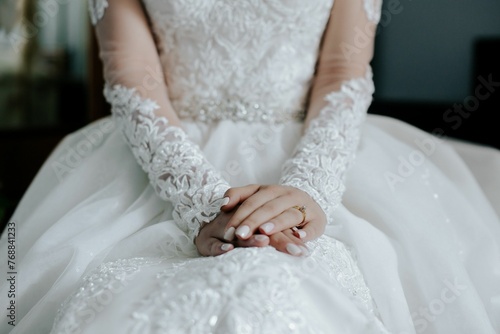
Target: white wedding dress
x: 414, y: 247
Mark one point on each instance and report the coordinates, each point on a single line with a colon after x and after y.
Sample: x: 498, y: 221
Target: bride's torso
x: 238, y: 59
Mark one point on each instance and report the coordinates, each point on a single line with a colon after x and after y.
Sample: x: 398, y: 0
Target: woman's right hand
x: 211, y: 240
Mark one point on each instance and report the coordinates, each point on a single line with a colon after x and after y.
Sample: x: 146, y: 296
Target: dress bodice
x: 238, y: 57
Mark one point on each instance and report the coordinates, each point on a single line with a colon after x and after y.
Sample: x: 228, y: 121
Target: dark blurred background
x: 430, y: 57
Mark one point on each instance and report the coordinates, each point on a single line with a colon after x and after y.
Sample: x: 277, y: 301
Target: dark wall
x: 425, y: 48
x: 430, y: 58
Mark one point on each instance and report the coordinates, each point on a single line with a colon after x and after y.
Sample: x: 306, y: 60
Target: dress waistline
x: 236, y: 110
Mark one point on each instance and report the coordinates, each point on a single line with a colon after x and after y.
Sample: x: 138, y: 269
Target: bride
x: 224, y: 195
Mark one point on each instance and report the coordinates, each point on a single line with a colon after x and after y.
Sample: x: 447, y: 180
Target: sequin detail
x: 210, y: 111
x: 247, y: 52
x: 96, y: 292
x: 243, y: 291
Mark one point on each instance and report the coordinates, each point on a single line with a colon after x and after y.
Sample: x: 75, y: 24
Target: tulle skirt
x: 414, y: 248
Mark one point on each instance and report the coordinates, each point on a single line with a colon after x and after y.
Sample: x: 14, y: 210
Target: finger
x: 239, y: 194
x: 299, y: 233
x: 312, y: 230
x: 213, y: 247
x: 261, y: 215
x: 287, y: 219
x: 274, y: 216
x: 286, y: 242
x: 257, y: 240
x: 261, y: 197
x: 216, y: 229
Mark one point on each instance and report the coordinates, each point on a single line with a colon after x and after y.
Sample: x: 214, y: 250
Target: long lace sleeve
x: 135, y: 88
x: 340, y: 97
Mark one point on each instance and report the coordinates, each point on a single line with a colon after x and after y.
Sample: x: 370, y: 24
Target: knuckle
x: 273, y: 189
x: 230, y: 192
x: 273, y: 208
x: 253, y: 187
x: 251, y: 222
x: 248, y: 203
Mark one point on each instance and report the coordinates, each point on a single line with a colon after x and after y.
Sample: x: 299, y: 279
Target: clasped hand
x: 263, y: 215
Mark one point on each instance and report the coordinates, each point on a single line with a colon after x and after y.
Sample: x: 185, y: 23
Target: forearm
x: 129, y: 54
x: 323, y: 155
x: 339, y: 100
x: 176, y: 167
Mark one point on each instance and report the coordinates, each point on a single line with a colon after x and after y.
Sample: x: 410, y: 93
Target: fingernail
x: 267, y: 227
x: 293, y: 249
x: 229, y: 235
x: 261, y: 237
x: 243, y: 231
x: 225, y: 247
x: 305, y: 251
x: 302, y: 234
x: 225, y: 201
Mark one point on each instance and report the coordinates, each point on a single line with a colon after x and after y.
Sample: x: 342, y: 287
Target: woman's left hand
x: 273, y: 208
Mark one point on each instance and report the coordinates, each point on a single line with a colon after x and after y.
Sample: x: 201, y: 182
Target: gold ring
x: 302, y: 210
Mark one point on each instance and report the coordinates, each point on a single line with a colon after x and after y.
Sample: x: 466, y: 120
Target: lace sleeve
x: 340, y: 97
x: 135, y: 88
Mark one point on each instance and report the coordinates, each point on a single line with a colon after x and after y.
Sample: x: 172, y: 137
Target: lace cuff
x: 323, y: 155
x: 176, y: 167
x: 97, y: 9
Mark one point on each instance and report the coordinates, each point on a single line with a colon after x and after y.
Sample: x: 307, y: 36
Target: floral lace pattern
x: 97, y: 9
x: 318, y: 166
x: 373, y: 9
x: 224, y: 58
x: 240, y: 292
x: 95, y: 293
x: 231, y: 295
x: 244, y: 51
x: 176, y: 167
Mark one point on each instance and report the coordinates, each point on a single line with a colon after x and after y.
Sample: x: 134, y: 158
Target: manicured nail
x: 243, y: 231
x: 229, y: 235
x: 293, y: 249
x: 226, y: 247
x: 261, y: 237
x: 225, y: 201
x: 267, y: 227
x: 302, y: 234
